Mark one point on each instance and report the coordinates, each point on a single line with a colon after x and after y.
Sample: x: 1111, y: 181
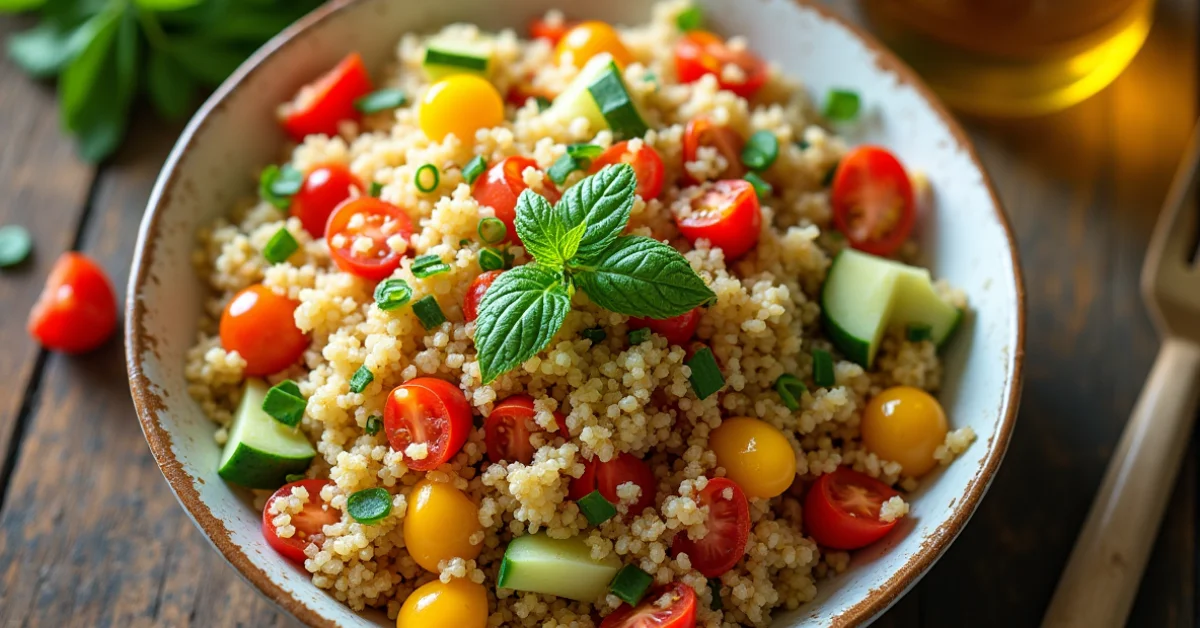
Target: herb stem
x: 155, y: 34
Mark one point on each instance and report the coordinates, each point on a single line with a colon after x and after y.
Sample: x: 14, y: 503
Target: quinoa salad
x: 585, y: 326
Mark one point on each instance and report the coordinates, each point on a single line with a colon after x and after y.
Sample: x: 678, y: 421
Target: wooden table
x: 90, y: 534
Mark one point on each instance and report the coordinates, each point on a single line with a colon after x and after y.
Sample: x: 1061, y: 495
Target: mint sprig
x: 578, y: 244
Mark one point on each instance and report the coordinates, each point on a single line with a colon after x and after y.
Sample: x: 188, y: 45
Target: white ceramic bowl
x: 965, y: 237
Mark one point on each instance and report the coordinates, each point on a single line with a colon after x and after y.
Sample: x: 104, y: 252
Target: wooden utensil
x: 1101, y: 579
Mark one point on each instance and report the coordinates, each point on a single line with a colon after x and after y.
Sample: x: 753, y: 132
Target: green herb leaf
x: 602, y: 202
x: 585, y: 151
x: 96, y: 87
x: 640, y: 276
x: 167, y: 5
x: 208, y: 61
x: 15, y: 245
x: 280, y: 247
x: 293, y: 477
x: 518, y: 317
x: 369, y: 505
x: 277, y: 185
x: 595, y: 334
x: 823, y: 374
x: 714, y: 585
x: 44, y: 50
x: 690, y: 19
x: 546, y: 236
x: 381, y: 100
x: 631, y: 584
x: 170, y: 88
x: 563, y: 167
x: 761, y: 150
x: 706, y: 377
x: 762, y: 189
x: 17, y: 6
x: 842, y: 105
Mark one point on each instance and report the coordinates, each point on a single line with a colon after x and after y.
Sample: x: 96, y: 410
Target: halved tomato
x: 647, y: 167
x: 842, y: 508
x: 607, y: 476
x: 727, y: 214
x: 551, y: 31
x: 309, y: 522
x: 375, y: 220
x: 500, y: 186
x: 677, y: 329
x: 325, y: 187
x: 507, y: 429
x: 701, y: 52
x: 475, y: 293
x: 320, y: 106
x: 704, y: 132
x: 728, y: 528
x: 427, y: 411
x: 670, y: 606
x: 872, y: 200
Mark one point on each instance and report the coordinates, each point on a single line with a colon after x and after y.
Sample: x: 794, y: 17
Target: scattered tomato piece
x: 309, y: 522
x: 373, y: 223
x: 260, y: 326
x: 324, y: 188
x: 727, y: 214
x: 320, y: 106
x: 607, y: 476
x: 678, y: 612
x: 647, y: 167
x: 728, y: 529
x: 841, y: 510
x: 737, y: 70
x: 77, y: 310
x: 677, y: 329
x: 703, y: 132
x: 872, y: 199
x: 428, y: 412
x: 589, y: 39
x: 500, y: 186
x: 507, y: 430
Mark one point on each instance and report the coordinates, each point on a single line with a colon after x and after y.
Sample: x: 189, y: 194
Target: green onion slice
x: 369, y: 505
x: 762, y: 189
x: 802, y: 144
x: 638, y: 336
x: 392, y: 293
x: 828, y: 180
x: 595, y: 334
x: 690, y: 19
x: 374, y: 424
x: 474, y: 168
x: 428, y: 266
x: 280, y: 247
x: 427, y: 178
x: 842, y: 105
x: 585, y: 151
x: 596, y: 508
x: 361, y: 379
x: 492, y: 230
x: 631, y: 584
x: 375, y: 190
x: 489, y: 259
x: 762, y: 149
x: 381, y: 100
x: 919, y: 332
x: 543, y: 103
x: 429, y: 312
x: 563, y: 167
x: 277, y: 185
x: 714, y: 585
x: 284, y: 403
x: 15, y: 245
x: 293, y: 477
x: 790, y: 388
x: 706, y: 376
x: 823, y: 368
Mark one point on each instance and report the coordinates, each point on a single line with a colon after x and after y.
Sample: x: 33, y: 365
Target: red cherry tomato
x: 703, y: 132
x: 500, y: 186
x: 506, y: 430
x: 261, y: 326
x: 701, y: 52
x: 727, y: 214
x: 325, y: 187
x: 841, y: 510
x: 728, y: 528
x: 677, y: 329
x: 607, y: 476
x: 319, y: 106
x: 428, y: 411
x: 475, y: 293
x: 872, y: 200
x: 647, y: 167
x: 552, y: 32
x: 309, y: 522
x: 380, y: 221
x: 77, y: 310
x: 679, y: 613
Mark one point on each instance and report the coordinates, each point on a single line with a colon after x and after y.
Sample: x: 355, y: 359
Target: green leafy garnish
x: 762, y: 188
x: 277, y: 185
x: 823, y: 374
x: 474, y: 168
x: 842, y: 105
x: 429, y: 312
x: 15, y: 245
x: 761, y: 150
x: 381, y: 100
x: 595, y: 334
x: 361, y: 379
x: 519, y: 315
x: 375, y: 190
x: 369, y: 505
x: 284, y: 403
x: 374, y: 424
x: 392, y: 293
x: 638, y: 336
x: 690, y: 19
x: 280, y: 247
x: 489, y: 259
x: 790, y: 388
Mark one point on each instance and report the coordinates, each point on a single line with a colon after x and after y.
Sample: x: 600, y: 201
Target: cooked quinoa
x: 615, y: 397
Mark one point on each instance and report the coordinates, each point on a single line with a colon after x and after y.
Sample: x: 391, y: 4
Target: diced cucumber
x: 444, y: 57
x: 261, y: 452
x: 562, y: 567
x: 864, y: 295
x: 600, y: 94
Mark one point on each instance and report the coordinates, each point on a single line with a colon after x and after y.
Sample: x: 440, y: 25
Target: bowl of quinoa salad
x: 675, y: 314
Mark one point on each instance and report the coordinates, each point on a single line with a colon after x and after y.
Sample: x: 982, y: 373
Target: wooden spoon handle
x: 1101, y: 579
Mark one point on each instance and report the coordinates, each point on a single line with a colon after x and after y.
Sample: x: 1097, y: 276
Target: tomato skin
x: 872, y: 199
x: 677, y: 329
x: 475, y: 293
x: 607, y: 476
x: 325, y: 187
x: 907, y: 425
x: 553, y: 32
x: 700, y: 52
x: 728, y: 530
x: 500, y: 186
x: 728, y: 215
x: 383, y: 220
x: 506, y: 433
x: 647, y: 167
x: 431, y: 411
x: 681, y: 613
x: 322, y: 104
x: 308, y: 522
x: 261, y: 327
x: 588, y: 39
x: 704, y: 132
x: 77, y: 310
x: 832, y: 524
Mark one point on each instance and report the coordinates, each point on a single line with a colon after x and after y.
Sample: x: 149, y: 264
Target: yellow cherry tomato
x: 439, y: 523
x: 755, y: 454
x: 459, y: 604
x: 460, y: 104
x: 905, y: 424
x: 590, y: 39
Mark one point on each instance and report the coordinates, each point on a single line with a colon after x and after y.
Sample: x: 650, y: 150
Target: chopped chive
x: 392, y: 293
x: 284, y: 403
x: 427, y: 309
x: 374, y: 424
x: 293, y: 477
x: 841, y: 105
x: 823, y: 368
x: 369, y: 505
x: 828, y: 179
x: 489, y: 259
x: 762, y: 189
x: 464, y: 242
x: 790, y: 388
x: 424, y: 173
x: 492, y: 230
x: 596, y: 508
x: 631, y: 584
x: 762, y: 149
x: 706, y: 376
x: 15, y: 245
x: 802, y: 144
x: 280, y: 246
x: 595, y: 334
x: 638, y: 336
x: 361, y: 379
x: 690, y: 19
x: 474, y: 168
x: 277, y: 185
x: 584, y: 151
x: 562, y: 168
x: 381, y: 100
x: 714, y: 585
x: 375, y: 190
x: 543, y: 103
x: 428, y: 266
x: 919, y: 332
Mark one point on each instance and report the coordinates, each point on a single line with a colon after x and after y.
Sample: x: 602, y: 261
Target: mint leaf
x: 640, y: 276
x: 602, y: 202
x: 518, y: 317
x: 571, y: 240
x: 544, y: 232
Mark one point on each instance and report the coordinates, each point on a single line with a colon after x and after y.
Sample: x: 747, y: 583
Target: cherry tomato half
x: 319, y: 106
x: 727, y: 214
x: 309, y: 522
x: 261, y: 326
x: 325, y: 187
x: 647, y: 167
x: 607, y: 476
x: 507, y: 429
x: 375, y: 220
x: 77, y: 310
x: 428, y: 411
x: 703, y: 132
x: 677, y: 329
x: 475, y: 293
x: 728, y: 528
x: 841, y: 510
x: 701, y: 52
x: 553, y: 32
x: 680, y: 612
x: 588, y: 39
x: 872, y: 200
x: 500, y: 186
